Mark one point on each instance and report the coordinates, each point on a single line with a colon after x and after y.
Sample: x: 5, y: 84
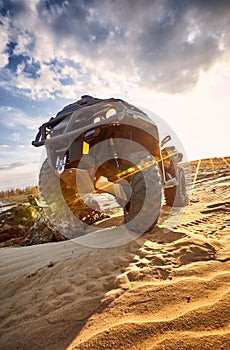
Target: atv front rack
x: 86, y: 101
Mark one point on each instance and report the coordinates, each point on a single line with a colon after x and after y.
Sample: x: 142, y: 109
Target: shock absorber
x: 115, y: 155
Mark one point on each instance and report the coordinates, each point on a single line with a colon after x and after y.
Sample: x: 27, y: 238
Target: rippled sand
x: 168, y: 289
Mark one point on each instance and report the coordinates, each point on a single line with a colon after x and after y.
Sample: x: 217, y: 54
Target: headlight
x: 110, y: 113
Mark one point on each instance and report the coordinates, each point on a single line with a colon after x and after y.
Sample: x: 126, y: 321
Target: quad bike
x: 96, y: 145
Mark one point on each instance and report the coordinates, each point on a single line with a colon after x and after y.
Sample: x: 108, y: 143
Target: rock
x: 15, y: 223
x: 26, y: 224
x: 42, y: 231
x: 92, y: 203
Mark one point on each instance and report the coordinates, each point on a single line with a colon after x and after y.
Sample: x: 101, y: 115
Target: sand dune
x: 168, y: 289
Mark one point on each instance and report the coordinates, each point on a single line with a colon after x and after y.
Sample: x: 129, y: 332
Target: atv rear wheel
x: 176, y: 196
x: 143, y: 209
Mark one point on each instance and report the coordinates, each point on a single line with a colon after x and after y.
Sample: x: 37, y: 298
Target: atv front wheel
x: 53, y: 190
x: 143, y: 209
x: 63, y: 205
x: 176, y: 196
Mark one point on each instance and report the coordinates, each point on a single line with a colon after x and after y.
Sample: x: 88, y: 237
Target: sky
x: 169, y: 56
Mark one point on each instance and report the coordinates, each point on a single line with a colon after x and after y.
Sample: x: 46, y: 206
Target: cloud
x: 18, y: 175
x: 15, y: 154
x: 169, y: 43
x: 15, y: 118
x: 15, y: 137
x: 53, y: 51
x: 72, y: 14
x: 11, y: 166
x: 159, y: 45
x: 3, y: 44
x: 12, y: 8
x: 19, y: 64
x: 4, y: 147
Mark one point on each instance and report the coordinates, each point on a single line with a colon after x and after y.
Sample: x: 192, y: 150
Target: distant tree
x: 15, y: 193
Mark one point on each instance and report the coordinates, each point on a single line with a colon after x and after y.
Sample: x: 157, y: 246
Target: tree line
x: 18, y: 192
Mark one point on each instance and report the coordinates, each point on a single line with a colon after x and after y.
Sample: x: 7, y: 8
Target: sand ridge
x: 168, y: 289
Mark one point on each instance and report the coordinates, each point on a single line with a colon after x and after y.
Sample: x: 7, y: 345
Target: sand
x: 168, y: 289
